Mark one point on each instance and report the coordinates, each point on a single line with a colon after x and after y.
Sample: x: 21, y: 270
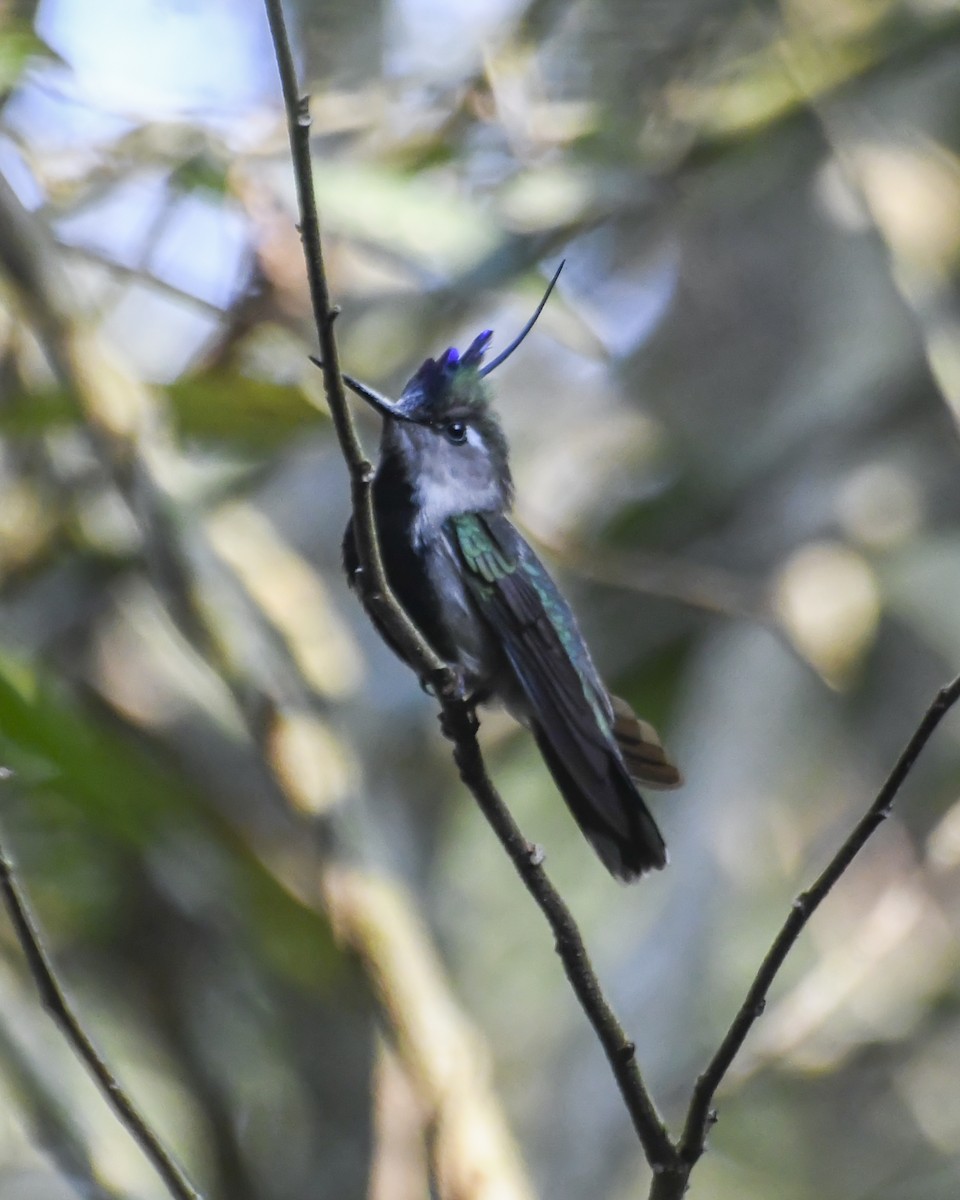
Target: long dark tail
x: 611, y: 813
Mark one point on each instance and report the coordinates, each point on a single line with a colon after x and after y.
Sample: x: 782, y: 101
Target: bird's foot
x: 449, y: 685
x: 446, y: 683
x: 458, y: 701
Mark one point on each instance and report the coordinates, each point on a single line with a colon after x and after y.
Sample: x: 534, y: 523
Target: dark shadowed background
x: 734, y: 438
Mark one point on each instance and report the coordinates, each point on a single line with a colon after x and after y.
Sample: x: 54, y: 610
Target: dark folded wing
x: 569, y: 709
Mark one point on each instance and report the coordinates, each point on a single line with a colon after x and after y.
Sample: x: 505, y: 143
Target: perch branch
x: 458, y: 718
x: 373, y: 580
x: 525, y: 857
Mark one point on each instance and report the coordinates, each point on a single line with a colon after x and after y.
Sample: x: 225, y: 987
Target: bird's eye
x: 456, y: 432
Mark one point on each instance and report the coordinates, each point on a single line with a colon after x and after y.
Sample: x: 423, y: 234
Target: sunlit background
x: 734, y: 439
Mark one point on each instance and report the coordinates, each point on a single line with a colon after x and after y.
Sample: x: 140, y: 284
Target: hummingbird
x: 484, y: 601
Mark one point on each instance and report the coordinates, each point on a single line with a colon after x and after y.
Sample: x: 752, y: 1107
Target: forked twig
x: 671, y: 1162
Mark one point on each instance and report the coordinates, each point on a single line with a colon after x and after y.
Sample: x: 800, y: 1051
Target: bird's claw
x: 446, y: 683
x: 459, y: 703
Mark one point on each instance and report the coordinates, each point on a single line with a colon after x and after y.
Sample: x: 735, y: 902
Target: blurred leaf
x: 124, y: 794
x: 291, y: 595
x: 128, y: 795
x: 250, y: 414
x: 253, y: 413
x: 314, y: 764
x: 200, y: 171
x: 19, y: 45
x: 423, y: 216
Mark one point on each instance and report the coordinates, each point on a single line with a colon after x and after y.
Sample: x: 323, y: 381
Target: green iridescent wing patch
x: 516, y: 593
x: 480, y: 552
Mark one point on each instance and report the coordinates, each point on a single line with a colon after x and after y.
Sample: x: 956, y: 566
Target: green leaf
x: 18, y: 46
x: 201, y: 172
x: 252, y: 414
x: 101, y: 782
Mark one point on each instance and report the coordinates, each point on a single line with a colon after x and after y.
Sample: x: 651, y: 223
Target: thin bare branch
x: 58, y: 1006
x: 672, y: 1184
x: 47, y: 1114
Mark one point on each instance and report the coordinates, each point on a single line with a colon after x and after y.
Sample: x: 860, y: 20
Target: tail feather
x: 642, y: 750
x: 611, y: 814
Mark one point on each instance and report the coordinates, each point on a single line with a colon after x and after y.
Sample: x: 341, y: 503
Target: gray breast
x: 478, y: 651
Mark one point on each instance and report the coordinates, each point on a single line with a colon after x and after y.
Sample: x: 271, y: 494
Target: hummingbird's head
x: 447, y: 438
x: 444, y: 434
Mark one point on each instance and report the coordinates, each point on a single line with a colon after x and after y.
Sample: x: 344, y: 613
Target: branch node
x: 627, y: 1051
x: 536, y: 854
x: 304, y: 120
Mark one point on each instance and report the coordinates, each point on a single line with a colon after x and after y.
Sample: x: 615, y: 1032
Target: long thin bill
x: 505, y: 354
x: 383, y: 404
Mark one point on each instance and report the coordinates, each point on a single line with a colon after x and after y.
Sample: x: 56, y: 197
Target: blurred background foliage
x: 734, y: 435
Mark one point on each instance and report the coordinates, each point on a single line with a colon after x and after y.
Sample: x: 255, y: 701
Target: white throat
x: 439, y: 499
x: 450, y: 487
